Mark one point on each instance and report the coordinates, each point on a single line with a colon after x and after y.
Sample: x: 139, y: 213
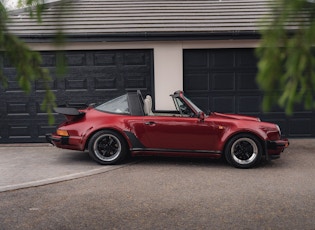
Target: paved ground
x: 160, y: 193
x: 29, y: 165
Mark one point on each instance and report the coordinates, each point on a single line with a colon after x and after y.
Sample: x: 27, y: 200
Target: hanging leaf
x: 286, y: 56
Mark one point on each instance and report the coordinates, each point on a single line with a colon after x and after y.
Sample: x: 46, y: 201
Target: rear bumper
x: 274, y: 148
x: 74, y: 143
x: 57, y: 140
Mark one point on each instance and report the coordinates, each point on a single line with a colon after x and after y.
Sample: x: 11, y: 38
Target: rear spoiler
x: 70, y: 113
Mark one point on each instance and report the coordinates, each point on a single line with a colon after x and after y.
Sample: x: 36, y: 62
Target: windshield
x: 195, y: 107
x: 118, y: 105
x: 185, y: 109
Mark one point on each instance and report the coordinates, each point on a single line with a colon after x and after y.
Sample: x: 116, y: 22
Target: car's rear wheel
x: 107, y: 147
x: 243, y: 151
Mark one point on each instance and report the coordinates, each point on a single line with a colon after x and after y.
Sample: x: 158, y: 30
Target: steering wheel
x: 187, y: 111
x: 184, y: 109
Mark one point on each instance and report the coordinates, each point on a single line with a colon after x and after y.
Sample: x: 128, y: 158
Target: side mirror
x: 201, y: 116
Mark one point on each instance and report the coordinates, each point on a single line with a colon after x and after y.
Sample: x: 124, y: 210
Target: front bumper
x: 275, y: 148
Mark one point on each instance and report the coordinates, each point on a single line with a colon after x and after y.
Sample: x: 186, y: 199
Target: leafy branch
x: 286, y: 70
x: 26, y: 61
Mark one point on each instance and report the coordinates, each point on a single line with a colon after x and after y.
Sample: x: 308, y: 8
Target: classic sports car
x: 127, y: 125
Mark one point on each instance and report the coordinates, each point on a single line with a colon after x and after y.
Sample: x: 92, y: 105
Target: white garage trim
x: 203, y: 44
x: 168, y: 74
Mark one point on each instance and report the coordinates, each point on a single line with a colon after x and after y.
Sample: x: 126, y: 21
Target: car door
x: 179, y: 133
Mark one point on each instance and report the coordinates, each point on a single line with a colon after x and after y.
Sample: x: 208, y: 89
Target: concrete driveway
x: 28, y: 165
x: 159, y: 193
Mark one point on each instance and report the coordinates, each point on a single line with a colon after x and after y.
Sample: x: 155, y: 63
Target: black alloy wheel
x: 107, y: 147
x: 243, y: 151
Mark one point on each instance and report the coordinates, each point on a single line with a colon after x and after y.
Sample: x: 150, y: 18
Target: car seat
x: 147, y: 106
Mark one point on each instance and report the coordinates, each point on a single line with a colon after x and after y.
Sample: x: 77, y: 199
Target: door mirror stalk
x: 201, y: 116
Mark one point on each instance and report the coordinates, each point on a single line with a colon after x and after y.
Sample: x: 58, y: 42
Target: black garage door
x: 92, y: 76
x: 224, y: 81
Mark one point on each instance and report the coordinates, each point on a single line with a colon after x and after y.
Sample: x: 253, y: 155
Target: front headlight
x: 279, y: 130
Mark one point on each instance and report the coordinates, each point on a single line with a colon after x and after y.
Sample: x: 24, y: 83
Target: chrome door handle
x: 149, y: 123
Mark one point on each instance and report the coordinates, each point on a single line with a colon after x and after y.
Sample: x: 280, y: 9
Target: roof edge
x: 145, y: 36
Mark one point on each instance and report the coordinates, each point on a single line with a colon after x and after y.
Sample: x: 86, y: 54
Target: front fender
x: 262, y: 136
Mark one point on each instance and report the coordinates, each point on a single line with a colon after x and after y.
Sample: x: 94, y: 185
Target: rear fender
x: 119, y: 132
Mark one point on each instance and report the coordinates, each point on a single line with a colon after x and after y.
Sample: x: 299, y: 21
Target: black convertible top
x: 134, y: 99
x: 135, y: 103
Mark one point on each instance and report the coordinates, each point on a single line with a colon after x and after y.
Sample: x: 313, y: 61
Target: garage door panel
x: 249, y: 105
x: 13, y: 86
x: 247, y: 82
x: 197, y: 82
x: 42, y: 129
x: 77, y: 100
x: 222, y: 59
x: 245, y: 58
x: 202, y: 102
x: 39, y: 85
x: 223, y: 81
x: 299, y: 109
x: 82, y: 101
x: 300, y: 127
x: 135, y: 81
x: 1, y: 60
x: 224, y: 104
x: 104, y: 78
x: 105, y: 83
x: 6, y: 64
x: 105, y: 58
x: 18, y: 108
x: 75, y: 84
x: 77, y: 79
x: 48, y: 59
x: 18, y: 105
x: 134, y: 59
x: 76, y: 59
x: 19, y: 129
x: 232, y: 88
x: 91, y: 77
x: 196, y: 60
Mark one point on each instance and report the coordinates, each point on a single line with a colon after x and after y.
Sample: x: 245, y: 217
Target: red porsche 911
x: 127, y: 125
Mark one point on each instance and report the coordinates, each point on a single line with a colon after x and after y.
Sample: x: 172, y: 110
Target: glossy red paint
x: 184, y: 132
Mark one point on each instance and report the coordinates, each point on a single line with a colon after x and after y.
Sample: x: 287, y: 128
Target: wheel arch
x: 255, y: 135
x: 120, y: 133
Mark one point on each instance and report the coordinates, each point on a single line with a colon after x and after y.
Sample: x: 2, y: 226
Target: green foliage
x: 33, y: 6
x: 27, y: 62
x: 286, y: 70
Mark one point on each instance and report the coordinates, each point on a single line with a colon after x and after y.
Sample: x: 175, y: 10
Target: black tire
x: 243, y: 151
x: 107, y: 147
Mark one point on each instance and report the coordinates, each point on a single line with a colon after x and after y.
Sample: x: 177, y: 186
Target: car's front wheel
x: 107, y: 147
x: 243, y: 151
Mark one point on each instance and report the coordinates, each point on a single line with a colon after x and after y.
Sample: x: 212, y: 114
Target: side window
x: 118, y: 105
